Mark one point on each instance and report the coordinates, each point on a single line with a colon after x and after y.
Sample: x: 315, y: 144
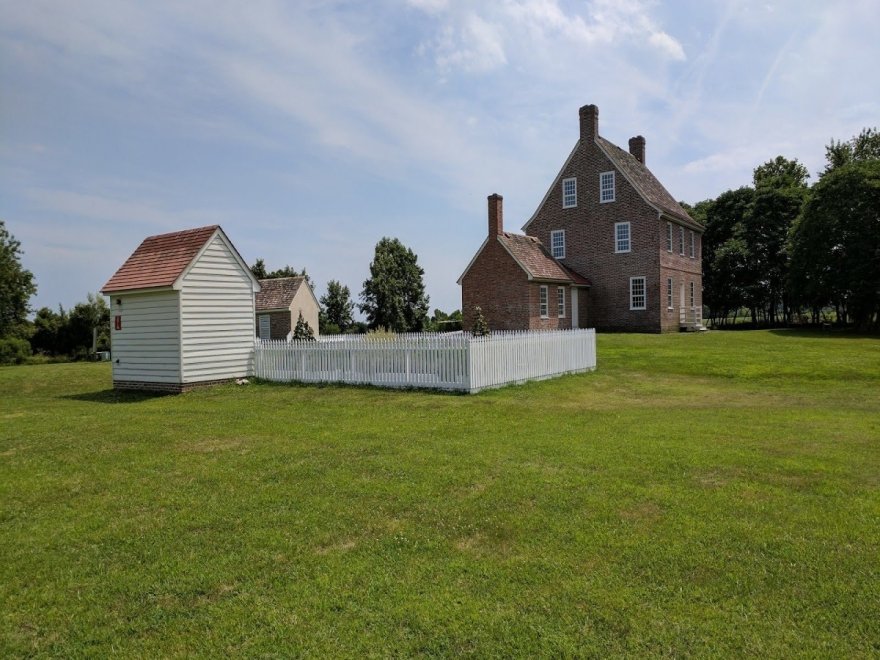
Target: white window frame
x: 669, y: 296
x: 693, y: 245
x: 669, y: 237
x: 681, y: 241
x: 560, y: 301
x: 267, y: 319
x: 560, y: 234
x: 606, y: 184
x: 543, y: 304
x: 693, y: 298
x: 569, y: 198
x: 633, y: 306
x: 618, y: 240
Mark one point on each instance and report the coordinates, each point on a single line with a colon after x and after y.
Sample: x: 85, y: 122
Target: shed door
x: 265, y: 332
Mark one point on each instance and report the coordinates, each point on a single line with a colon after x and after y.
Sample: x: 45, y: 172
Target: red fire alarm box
x: 117, y: 322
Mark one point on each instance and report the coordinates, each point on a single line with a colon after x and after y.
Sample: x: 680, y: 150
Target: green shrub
x: 14, y: 350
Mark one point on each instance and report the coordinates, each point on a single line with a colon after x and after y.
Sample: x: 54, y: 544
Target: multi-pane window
x: 669, y: 293
x: 265, y: 327
x: 557, y: 243
x: 542, y: 302
x: 669, y: 237
x: 606, y: 187
x: 560, y: 301
x: 693, y: 246
x: 692, y: 295
x: 621, y: 237
x: 569, y: 193
x: 637, y: 297
x: 681, y: 241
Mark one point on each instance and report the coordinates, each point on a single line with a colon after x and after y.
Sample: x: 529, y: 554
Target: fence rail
x: 446, y: 362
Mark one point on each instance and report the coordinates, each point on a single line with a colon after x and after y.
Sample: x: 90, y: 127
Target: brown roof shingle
x: 537, y: 261
x: 159, y: 260
x: 647, y: 184
x: 277, y: 293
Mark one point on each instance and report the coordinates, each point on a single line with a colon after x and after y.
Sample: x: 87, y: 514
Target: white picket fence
x: 446, y: 361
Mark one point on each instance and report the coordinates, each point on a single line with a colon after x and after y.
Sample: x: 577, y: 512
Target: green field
x: 712, y: 494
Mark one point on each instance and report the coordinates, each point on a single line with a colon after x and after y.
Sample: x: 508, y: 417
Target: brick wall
x: 683, y: 270
x: 496, y: 284
x: 279, y: 324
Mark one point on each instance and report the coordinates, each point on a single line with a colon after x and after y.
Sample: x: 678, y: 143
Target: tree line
x: 787, y: 252
x: 393, y: 298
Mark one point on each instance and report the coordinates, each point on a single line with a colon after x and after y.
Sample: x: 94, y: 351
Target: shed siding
x: 147, y: 347
x: 217, y: 317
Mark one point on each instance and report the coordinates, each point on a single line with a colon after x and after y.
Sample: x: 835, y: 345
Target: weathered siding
x: 217, y: 317
x: 146, y: 349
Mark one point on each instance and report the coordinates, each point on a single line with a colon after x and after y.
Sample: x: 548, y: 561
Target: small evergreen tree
x: 481, y: 327
x: 303, y: 331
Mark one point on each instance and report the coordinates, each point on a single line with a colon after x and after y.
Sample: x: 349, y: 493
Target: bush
x: 14, y: 350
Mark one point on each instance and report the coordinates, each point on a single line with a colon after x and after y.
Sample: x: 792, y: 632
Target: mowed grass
x: 698, y: 495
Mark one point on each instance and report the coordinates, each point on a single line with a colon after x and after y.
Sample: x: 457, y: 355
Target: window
x: 569, y: 193
x: 668, y: 293
x: 693, y: 246
x: 692, y: 295
x: 606, y: 187
x: 621, y: 237
x: 560, y: 301
x: 542, y: 300
x: 637, y: 298
x: 681, y: 241
x: 669, y: 237
x: 265, y: 327
x: 557, y: 243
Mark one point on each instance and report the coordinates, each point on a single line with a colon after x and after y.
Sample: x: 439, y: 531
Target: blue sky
x: 309, y: 130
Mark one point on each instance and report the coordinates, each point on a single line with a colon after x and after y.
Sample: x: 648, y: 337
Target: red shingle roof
x: 537, y: 261
x: 159, y: 260
x: 277, y: 293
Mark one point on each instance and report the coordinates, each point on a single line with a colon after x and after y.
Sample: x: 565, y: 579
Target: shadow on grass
x: 822, y: 333
x: 295, y: 384
x: 117, y: 396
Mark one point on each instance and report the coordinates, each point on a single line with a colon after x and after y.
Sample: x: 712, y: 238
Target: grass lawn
x: 704, y: 494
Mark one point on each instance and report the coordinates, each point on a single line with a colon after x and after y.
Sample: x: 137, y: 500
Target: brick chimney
x: 589, y: 115
x: 496, y: 215
x: 637, y: 148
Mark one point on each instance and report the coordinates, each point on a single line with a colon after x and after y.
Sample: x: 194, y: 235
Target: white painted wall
x: 216, y: 317
x: 147, y: 348
x: 304, y: 301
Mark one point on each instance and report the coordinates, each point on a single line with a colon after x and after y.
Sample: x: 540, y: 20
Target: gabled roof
x: 278, y: 293
x: 161, y: 261
x: 645, y: 183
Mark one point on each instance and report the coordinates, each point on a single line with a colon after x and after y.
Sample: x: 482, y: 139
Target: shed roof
x: 278, y: 292
x: 159, y: 260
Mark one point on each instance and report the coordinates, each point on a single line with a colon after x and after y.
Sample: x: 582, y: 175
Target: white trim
x: 669, y: 241
x: 255, y: 283
x: 543, y: 301
x: 613, y: 187
x: 670, y: 298
x: 644, y: 306
x: 617, y: 249
x: 574, y: 181
x: 680, y: 241
x: 555, y: 183
x: 693, y: 253
x: 560, y: 298
x: 553, y: 246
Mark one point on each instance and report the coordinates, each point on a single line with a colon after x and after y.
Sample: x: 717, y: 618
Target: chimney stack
x: 496, y: 215
x: 589, y: 115
x: 637, y: 148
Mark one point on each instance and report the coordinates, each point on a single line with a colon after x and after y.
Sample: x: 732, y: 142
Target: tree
x: 836, y: 244
x: 260, y: 272
x: 16, y: 285
x: 862, y: 147
x: 481, y: 327
x: 780, y: 173
x: 303, y: 331
x: 394, y: 295
x: 337, y: 306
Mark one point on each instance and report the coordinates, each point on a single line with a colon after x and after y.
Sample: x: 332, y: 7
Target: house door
x: 574, y: 308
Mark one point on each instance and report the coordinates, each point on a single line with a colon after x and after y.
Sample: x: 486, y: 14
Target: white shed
x: 182, y: 312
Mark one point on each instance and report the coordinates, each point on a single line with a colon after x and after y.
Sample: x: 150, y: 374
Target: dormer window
x: 569, y: 193
x: 557, y: 243
x: 606, y: 187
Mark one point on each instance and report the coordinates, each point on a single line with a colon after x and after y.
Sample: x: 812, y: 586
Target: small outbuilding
x: 182, y: 312
x: 280, y: 302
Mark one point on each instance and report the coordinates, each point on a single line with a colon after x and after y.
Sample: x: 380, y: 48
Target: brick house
x: 279, y: 304
x: 607, y: 218
x: 518, y: 285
